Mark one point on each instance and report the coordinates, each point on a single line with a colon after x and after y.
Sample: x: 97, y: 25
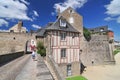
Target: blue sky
x: 37, y: 13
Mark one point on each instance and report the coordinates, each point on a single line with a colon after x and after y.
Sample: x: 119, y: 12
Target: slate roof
x: 41, y: 31
x: 56, y: 26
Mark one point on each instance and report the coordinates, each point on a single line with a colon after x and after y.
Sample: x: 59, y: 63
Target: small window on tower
x: 71, y: 11
x: 62, y: 23
x: 71, y: 20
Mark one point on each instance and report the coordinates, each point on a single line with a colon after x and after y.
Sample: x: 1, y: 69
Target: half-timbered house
x: 64, y: 46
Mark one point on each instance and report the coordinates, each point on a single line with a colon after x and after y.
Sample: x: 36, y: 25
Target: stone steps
x: 51, y: 70
x: 43, y: 72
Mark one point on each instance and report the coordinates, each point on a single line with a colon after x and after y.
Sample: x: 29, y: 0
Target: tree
x: 86, y: 34
x: 41, y: 49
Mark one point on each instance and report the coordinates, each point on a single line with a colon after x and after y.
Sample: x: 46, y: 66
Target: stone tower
x: 73, y: 18
x: 76, y: 20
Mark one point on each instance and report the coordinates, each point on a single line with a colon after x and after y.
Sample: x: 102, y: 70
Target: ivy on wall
x: 86, y: 34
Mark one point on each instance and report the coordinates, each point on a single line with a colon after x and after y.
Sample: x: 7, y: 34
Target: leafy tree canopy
x: 41, y: 49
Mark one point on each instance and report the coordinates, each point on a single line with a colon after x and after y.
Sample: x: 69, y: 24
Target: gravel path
x: 29, y: 71
x: 104, y: 72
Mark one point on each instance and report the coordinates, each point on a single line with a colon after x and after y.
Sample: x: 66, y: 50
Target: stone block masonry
x: 97, y: 51
x: 9, y: 57
x: 13, y: 42
x: 57, y: 70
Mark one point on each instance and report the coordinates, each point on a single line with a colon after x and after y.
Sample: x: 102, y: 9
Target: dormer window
x: 62, y: 23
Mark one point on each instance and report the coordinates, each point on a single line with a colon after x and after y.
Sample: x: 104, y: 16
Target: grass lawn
x: 76, y: 78
x: 116, y: 51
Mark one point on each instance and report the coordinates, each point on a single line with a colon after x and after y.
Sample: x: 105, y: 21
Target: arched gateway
x: 30, y: 46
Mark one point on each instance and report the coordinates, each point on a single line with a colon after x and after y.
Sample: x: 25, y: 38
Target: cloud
x: 117, y: 38
x: 113, y: 10
x: 3, y: 22
x: 27, y: 3
x: 52, y: 13
x: 69, y: 3
x: 25, y: 28
x: 118, y: 19
x: 110, y: 29
x: 36, y: 26
x: 109, y: 19
x: 35, y: 13
x: 13, y: 9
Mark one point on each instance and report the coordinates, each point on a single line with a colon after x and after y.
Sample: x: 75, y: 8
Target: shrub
x: 41, y: 49
x: 86, y: 34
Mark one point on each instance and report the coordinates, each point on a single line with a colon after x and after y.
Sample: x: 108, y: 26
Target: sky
x: 37, y: 13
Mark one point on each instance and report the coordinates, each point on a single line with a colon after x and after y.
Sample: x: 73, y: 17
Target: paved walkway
x: 35, y: 70
x: 29, y: 71
x: 10, y: 70
x: 43, y: 72
x: 105, y: 72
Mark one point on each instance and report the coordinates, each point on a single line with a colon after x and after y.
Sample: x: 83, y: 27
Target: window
x: 71, y: 20
x: 71, y: 11
x: 69, y: 72
x: 63, y: 53
x: 11, y: 30
x: 62, y: 23
x: 63, y: 36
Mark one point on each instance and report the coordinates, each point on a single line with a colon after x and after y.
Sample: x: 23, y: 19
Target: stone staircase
x: 43, y: 73
x: 51, y: 70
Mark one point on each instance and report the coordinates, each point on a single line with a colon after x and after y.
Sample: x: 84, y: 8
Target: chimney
x: 20, y: 24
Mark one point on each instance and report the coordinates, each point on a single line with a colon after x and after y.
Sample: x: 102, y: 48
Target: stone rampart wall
x: 9, y: 57
x: 97, y: 51
x: 13, y: 42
